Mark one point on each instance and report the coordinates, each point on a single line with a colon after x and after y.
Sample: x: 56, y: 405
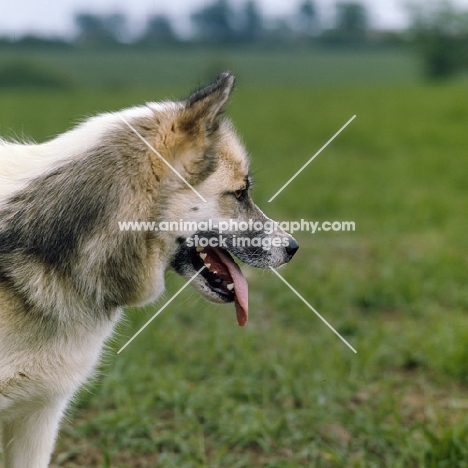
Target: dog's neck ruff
x: 21, y: 163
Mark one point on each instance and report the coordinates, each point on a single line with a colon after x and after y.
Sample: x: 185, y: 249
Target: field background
x: 194, y: 390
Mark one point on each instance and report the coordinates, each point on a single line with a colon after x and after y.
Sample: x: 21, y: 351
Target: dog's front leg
x: 29, y: 441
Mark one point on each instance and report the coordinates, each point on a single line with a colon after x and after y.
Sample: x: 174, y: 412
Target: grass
x: 194, y: 390
x: 293, y: 66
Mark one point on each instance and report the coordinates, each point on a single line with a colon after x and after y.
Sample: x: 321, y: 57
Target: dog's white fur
x: 30, y: 429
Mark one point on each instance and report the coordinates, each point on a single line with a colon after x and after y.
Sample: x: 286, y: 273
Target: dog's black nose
x: 292, y: 247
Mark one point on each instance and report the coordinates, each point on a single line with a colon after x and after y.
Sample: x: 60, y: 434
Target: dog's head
x: 207, y: 199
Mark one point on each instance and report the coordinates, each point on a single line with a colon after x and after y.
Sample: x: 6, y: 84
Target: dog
x: 67, y: 269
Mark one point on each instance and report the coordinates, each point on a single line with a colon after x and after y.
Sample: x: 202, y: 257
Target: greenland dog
x: 67, y: 269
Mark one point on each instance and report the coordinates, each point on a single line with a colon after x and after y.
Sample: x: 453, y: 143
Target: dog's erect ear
x: 204, y: 108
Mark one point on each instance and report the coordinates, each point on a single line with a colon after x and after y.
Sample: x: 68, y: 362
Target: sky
x: 55, y: 17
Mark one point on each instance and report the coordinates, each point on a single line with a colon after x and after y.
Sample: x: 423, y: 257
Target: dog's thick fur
x: 66, y: 270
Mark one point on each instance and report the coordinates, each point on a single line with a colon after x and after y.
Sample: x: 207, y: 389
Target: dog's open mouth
x: 224, y: 277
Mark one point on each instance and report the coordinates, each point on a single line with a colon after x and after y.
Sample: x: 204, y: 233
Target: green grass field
x: 195, y: 390
x: 120, y: 69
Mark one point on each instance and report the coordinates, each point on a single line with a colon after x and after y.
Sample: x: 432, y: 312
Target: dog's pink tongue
x: 241, y: 288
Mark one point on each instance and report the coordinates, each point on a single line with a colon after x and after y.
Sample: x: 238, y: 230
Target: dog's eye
x: 240, y: 194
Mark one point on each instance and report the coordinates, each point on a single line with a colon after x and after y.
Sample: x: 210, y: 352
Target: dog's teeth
x: 199, y: 249
x: 230, y: 286
x: 203, y: 256
x: 208, y: 265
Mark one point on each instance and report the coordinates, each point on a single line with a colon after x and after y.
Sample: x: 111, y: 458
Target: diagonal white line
x: 159, y: 155
x: 311, y: 159
x: 160, y: 310
x: 313, y: 310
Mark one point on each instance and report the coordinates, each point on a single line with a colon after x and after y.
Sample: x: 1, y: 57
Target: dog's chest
x: 56, y: 365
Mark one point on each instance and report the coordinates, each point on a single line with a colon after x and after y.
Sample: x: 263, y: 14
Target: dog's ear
x: 204, y: 108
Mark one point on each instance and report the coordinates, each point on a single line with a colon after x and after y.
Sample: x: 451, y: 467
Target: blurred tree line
x: 438, y: 30
x: 220, y: 22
